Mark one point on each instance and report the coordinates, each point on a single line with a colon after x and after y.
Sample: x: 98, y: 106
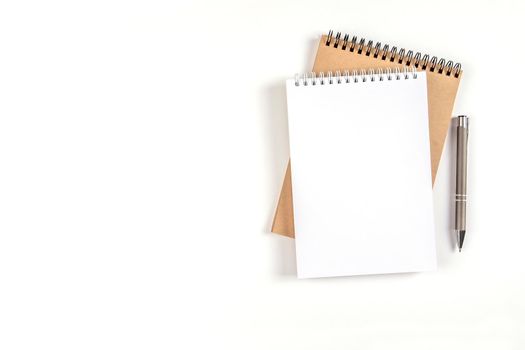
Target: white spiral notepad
x: 361, y: 173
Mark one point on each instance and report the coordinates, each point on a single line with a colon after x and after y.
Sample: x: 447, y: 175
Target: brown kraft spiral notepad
x: 340, y: 53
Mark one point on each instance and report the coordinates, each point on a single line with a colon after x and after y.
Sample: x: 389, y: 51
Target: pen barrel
x: 461, y: 173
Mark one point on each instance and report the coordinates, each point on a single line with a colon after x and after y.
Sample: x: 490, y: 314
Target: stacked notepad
x: 361, y: 172
x: 367, y: 130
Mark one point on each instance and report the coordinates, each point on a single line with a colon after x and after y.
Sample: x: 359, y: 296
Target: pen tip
x: 460, y: 250
x: 461, y: 238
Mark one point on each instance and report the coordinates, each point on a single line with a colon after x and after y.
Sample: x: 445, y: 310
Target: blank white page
x: 361, y: 175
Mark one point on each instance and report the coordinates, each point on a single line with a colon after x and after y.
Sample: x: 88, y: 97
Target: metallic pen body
x: 461, y: 179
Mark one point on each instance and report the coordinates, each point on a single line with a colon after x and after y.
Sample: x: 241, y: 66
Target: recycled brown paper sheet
x: 336, y: 56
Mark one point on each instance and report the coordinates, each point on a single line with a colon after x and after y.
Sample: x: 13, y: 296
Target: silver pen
x: 461, y: 179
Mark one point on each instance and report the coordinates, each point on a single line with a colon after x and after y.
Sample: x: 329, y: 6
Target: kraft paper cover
x: 442, y: 91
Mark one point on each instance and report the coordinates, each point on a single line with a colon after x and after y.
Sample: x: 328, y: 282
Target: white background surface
x: 142, y: 148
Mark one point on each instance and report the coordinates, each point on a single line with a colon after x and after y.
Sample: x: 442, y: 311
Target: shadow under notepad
x: 276, y: 137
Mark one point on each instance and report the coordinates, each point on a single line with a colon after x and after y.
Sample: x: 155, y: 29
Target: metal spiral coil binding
x: 383, y: 52
x: 355, y: 76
